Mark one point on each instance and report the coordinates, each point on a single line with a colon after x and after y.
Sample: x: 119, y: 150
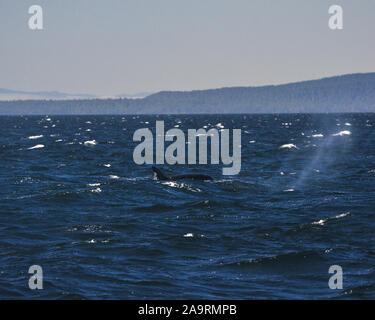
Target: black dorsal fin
x: 158, y: 174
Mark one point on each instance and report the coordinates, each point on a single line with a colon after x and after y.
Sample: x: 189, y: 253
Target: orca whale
x: 160, y: 176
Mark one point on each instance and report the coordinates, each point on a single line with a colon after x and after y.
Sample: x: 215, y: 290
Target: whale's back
x: 160, y: 176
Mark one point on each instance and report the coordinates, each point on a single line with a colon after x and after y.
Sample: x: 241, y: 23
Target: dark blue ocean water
x: 101, y: 227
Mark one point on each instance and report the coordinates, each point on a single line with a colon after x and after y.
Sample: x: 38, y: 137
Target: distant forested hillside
x: 348, y: 93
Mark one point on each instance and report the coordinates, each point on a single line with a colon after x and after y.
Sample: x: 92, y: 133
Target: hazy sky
x: 109, y: 47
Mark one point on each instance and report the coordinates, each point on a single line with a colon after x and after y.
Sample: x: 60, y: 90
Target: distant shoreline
x: 142, y: 95
x: 353, y: 93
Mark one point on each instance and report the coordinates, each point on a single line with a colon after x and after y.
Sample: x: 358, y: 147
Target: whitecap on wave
x: 192, y: 235
x: 38, y: 146
x: 342, y: 133
x: 189, y: 235
x: 181, y: 185
x: 288, y: 146
x: 93, y: 184
x: 35, y: 137
x: 323, y: 221
x: 90, y: 143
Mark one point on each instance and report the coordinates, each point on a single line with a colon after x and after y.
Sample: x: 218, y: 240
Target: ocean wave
x: 157, y: 208
x: 90, y: 143
x: 188, y: 235
x: 35, y: 137
x: 288, y: 146
x: 284, y: 258
x: 192, y: 235
x: 342, y: 133
x: 324, y: 221
x: 181, y: 185
x: 38, y: 146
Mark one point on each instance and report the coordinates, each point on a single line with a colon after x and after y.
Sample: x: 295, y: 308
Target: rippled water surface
x: 73, y: 201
